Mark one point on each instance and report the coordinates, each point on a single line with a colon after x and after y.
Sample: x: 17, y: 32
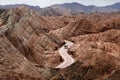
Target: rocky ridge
x: 29, y: 45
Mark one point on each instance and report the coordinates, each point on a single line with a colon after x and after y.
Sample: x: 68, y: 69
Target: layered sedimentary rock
x: 94, y: 60
x: 23, y: 44
x: 96, y: 49
x: 29, y: 45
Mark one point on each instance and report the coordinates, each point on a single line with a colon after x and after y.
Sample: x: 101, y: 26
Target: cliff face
x: 24, y: 29
x: 23, y: 43
x: 11, y: 60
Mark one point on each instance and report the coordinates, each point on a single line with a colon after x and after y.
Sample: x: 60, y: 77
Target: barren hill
x: 30, y: 43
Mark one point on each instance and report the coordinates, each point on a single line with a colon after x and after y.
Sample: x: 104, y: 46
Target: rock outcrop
x: 89, y: 24
x: 23, y: 45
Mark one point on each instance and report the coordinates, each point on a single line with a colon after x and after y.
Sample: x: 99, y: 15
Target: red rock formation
x: 23, y: 43
x: 111, y: 36
x: 29, y: 45
x: 95, y: 61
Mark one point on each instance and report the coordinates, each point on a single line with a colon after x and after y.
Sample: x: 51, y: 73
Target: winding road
x: 68, y: 60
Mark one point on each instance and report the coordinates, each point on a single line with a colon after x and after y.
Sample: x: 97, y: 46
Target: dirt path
x: 68, y: 60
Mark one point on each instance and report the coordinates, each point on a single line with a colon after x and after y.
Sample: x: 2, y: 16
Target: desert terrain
x: 74, y: 47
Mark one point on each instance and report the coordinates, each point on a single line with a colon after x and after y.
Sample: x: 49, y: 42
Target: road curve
x: 68, y: 60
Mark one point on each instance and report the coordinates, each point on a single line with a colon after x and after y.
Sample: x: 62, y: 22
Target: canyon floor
x: 30, y: 46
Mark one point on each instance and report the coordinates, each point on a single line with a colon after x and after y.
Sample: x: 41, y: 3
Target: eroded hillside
x: 29, y: 45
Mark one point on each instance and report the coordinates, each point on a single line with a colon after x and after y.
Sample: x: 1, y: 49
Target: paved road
x: 68, y: 60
